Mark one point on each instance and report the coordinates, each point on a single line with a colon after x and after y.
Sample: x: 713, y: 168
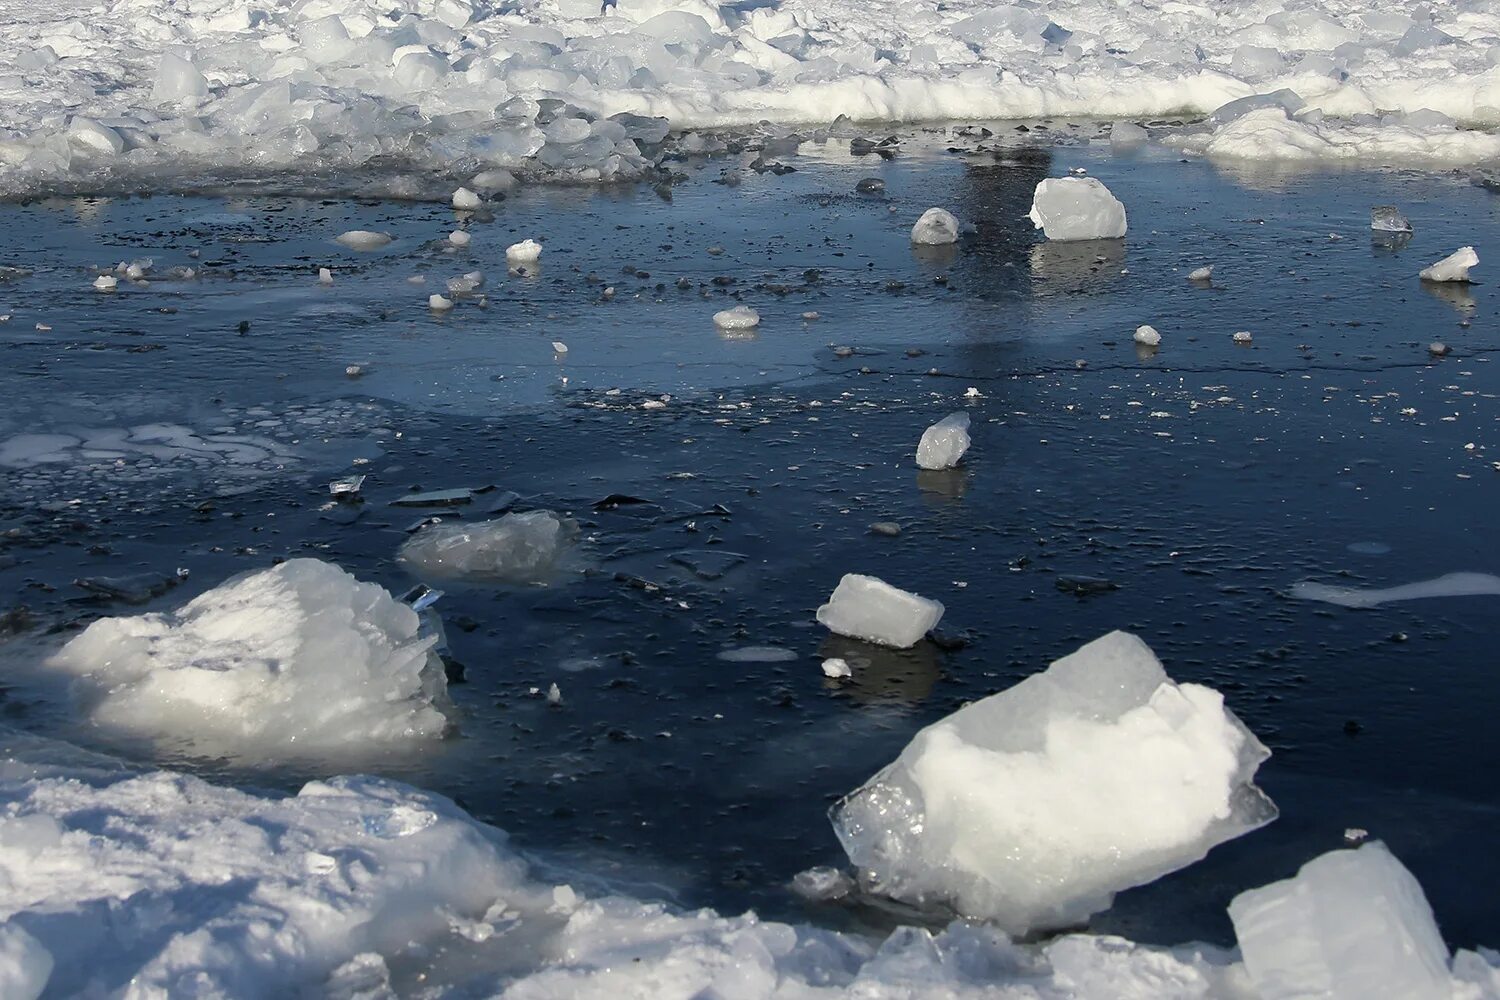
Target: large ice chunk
x: 25, y: 964
x: 936, y: 227
x: 1033, y: 807
x: 1351, y: 925
x: 1077, y: 208
x: 1454, y: 267
x: 944, y: 443
x: 1388, y: 219
x: 868, y: 608
x: 516, y: 548
x: 298, y: 657
x: 177, y: 79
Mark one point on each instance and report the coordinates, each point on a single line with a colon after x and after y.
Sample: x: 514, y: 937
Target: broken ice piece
x: 1388, y: 219
x: 738, y: 318
x: 515, y: 548
x: 1243, y: 337
x: 459, y: 238
x: 868, y: 608
x: 1204, y: 273
x: 363, y: 239
x: 554, y: 695
x: 434, y: 498
x: 348, y: 486
x: 558, y: 347
x: 438, y: 303
x: 421, y: 597
x: 936, y: 227
x: 1437, y: 349
x: 1454, y: 267
x: 1352, y: 924
x: 1034, y: 806
x: 106, y: 282
x: 325, y: 276
x: 524, y: 252
x: 1077, y: 208
x: 822, y: 883
x: 1147, y: 335
x: 836, y: 668
x: 466, y: 201
x: 944, y: 443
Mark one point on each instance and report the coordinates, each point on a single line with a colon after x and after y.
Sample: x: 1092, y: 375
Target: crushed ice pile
x: 864, y: 607
x: 570, y: 88
x: 1077, y: 208
x: 296, y: 658
x: 516, y: 548
x: 944, y: 443
x: 1033, y: 807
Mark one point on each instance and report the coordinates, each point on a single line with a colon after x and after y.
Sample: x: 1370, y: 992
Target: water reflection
x: 940, y: 487
x: 1389, y: 242
x: 884, y: 676
x: 1455, y: 293
x: 1076, y: 267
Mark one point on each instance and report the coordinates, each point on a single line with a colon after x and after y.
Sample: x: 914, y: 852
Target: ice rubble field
x: 128, y: 89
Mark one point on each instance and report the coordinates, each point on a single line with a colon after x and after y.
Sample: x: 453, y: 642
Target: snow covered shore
x: 168, y: 94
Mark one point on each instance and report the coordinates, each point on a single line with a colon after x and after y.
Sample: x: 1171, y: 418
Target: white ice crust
x: 1032, y: 807
x: 301, y: 657
x: 1350, y: 925
x: 944, y: 443
x: 1077, y: 208
x: 470, y: 90
x: 516, y: 548
x: 868, y: 608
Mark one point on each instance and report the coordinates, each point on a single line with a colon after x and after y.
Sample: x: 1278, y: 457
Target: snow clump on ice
x: 864, y: 607
x: 1077, y: 208
x: 1034, y: 806
x: 516, y: 548
x: 944, y: 443
x: 298, y: 657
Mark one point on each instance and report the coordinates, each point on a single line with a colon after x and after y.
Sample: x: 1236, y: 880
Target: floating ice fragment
x: 554, y: 695
x: 325, y: 276
x: 524, y: 252
x: 1448, y: 585
x: 864, y: 607
x: 1437, y: 349
x: 346, y: 487
x: 1032, y: 807
x: 822, y: 883
x: 1454, y: 267
x: 944, y: 443
x: 438, y: 303
x: 1204, y: 273
x: 106, y: 282
x: 466, y: 201
x: 1243, y: 337
x: 972, y: 392
x: 558, y: 347
x: 757, y: 654
x: 1077, y: 208
x: 1147, y: 335
x: 1351, y: 925
x: 836, y: 667
x: 299, y: 656
x: 363, y: 239
x: 517, y: 549
x: 459, y: 238
x: 738, y: 318
x: 936, y: 227
x: 1388, y: 219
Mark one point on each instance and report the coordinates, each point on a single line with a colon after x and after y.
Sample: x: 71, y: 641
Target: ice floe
x: 516, y: 548
x: 864, y: 607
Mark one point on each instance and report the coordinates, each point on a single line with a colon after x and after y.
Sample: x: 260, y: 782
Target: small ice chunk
x: 1437, y: 349
x: 95, y: 136
x: 1077, y: 208
x: 459, y: 238
x: 363, y: 239
x: 1147, y: 335
x: 558, y: 347
x: 738, y: 318
x: 554, y: 695
x: 1125, y: 135
x: 325, y: 276
x: 106, y: 282
x: 177, y: 80
x: 347, y: 487
x: 822, y: 883
x: 524, y: 252
x: 944, y: 443
x: 836, y: 668
x: 1388, y: 219
x: 438, y: 303
x: 517, y: 548
x: 1204, y: 273
x: 1243, y: 337
x: 1352, y: 924
x: 466, y: 201
x: 936, y: 227
x: 1034, y: 806
x: 864, y: 607
x: 1454, y: 267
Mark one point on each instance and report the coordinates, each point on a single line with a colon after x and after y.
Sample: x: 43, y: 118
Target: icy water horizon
x: 179, y: 429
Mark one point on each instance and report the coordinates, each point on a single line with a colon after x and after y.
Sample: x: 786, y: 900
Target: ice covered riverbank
x: 563, y: 88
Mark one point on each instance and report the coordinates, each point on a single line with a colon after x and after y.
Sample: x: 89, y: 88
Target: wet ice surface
x: 1202, y: 479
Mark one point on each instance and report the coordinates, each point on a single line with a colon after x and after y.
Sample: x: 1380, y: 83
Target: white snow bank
x: 516, y: 548
x: 1351, y: 925
x: 296, y: 658
x: 1033, y: 807
x: 460, y: 90
x: 1447, y: 585
x: 1077, y: 208
x: 864, y: 607
x: 1273, y: 133
x: 944, y: 443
